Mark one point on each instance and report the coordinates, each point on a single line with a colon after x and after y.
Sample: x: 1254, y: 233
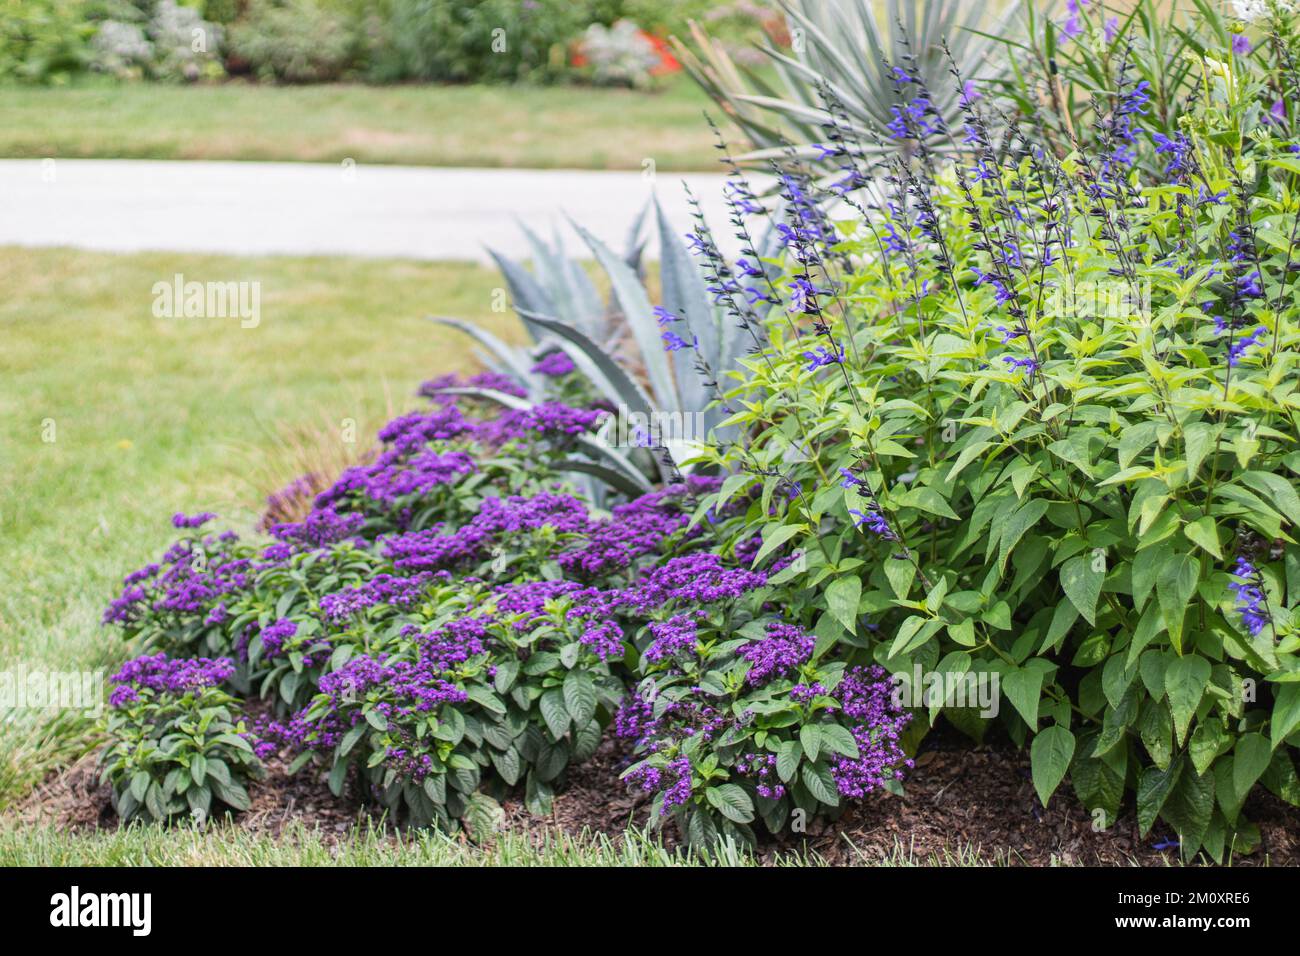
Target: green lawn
x: 139, y: 845
x: 151, y: 416
x: 526, y: 127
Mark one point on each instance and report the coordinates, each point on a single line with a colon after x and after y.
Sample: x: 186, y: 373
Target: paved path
x: 307, y: 208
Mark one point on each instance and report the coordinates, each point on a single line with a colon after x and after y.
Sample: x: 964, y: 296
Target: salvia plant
x: 1032, y: 419
x: 1063, y: 61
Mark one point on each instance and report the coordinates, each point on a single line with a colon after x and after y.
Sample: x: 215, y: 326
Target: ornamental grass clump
x: 1030, y: 415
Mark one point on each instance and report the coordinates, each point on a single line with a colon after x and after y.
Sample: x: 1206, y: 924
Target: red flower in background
x: 667, y: 62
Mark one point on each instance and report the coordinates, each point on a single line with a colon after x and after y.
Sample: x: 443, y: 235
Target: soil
x: 981, y: 798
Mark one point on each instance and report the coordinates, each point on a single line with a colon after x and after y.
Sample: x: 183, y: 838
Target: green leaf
x: 1208, y: 740
x: 507, y: 764
x: 555, y: 713
x: 1050, y: 755
x: 1063, y: 619
x: 199, y: 769
x: 1204, y: 533
x: 338, y: 776
x: 1082, y: 585
x: 1185, y: 681
x: 779, y: 536
x: 842, y: 597
x: 1024, y: 687
x: 140, y: 781
x: 701, y: 831
x: 839, y: 740
x: 1199, y: 438
x: 1251, y: 758
x: 810, y: 737
x: 968, y: 454
x: 900, y: 573
x: 1157, y: 731
x: 1175, y: 586
x: 580, y: 696
x: 817, y: 778
x: 231, y: 794
x: 1154, y: 787
x: 787, y: 760
x: 732, y: 802
x: 912, y: 633
x: 1286, y: 712
x: 506, y: 673
x: 1278, y: 490
x: 927, y: 499
x: 1026, y: 516
x: 1189, y: 810
x: 1073, y: 450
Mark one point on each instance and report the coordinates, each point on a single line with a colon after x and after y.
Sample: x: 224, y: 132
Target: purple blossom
x: 822, y: 357
x: 784, y: 648
x: 159, y: 675
x: 555, y: 364
x: 874, y: 522
x: 181, y: 520
x: 675, y: 343
x: 1251, y: 600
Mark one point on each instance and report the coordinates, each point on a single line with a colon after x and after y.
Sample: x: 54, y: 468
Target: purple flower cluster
x: 399, y: 592
x: 323, y: 527
x: 387, y: 480
x: 677, y: 635
x: 762, y: 767
x: 691, y: 579
x: 434, y: 548
x: 274, y: 635
x: 158, y: 674
x: 497, y: 382
x: 865, y: 696
x: 554, y: 365
x: 1251, y: 600
x: 191, y: 580
x: 782, y: 650
x: 674, y: 782
x: 180, y: 520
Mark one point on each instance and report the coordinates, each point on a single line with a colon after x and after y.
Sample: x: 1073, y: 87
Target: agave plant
x: 666, y: 397
x: 845, y: 48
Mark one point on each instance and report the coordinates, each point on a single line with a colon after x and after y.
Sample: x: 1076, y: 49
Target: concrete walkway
x: 323, y: 209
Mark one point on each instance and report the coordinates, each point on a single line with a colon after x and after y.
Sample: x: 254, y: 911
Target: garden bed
x: 962, y: 805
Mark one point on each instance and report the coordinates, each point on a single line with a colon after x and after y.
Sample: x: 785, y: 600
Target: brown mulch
x: 980, y: 798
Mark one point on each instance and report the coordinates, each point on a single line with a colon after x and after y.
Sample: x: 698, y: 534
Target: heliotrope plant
x: 178, y: 741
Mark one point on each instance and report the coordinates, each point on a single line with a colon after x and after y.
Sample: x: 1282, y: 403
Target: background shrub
x: 293, y: 41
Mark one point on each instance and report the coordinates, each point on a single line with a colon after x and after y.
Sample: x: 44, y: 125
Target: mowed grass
x: 111, y: 420
x: 525, y: 127
x: 373, y: 845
